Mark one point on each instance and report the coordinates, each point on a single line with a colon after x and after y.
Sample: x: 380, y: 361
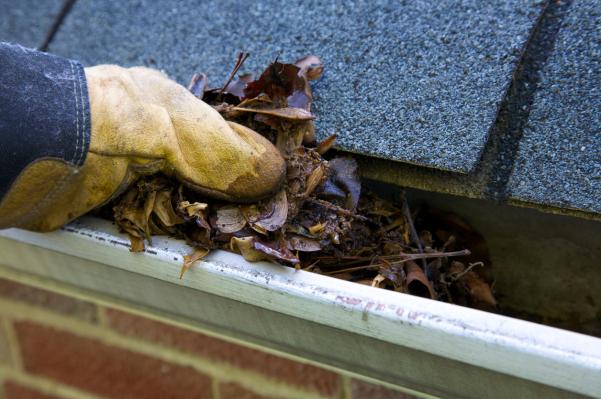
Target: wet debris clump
x: 322, y: 220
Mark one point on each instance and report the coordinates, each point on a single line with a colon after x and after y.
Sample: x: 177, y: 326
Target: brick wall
x: 56, y: 346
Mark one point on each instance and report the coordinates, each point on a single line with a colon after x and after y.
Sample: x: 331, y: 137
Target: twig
x: 413, y: 232
x: 336, y: 208
x: 407, y: 257
x: 466, y: 271
x: 242, y: 56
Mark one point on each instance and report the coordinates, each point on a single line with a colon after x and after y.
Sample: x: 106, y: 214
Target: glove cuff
x: 45, y: 111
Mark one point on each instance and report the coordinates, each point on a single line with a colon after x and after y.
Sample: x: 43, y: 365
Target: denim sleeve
x: 44, y: 111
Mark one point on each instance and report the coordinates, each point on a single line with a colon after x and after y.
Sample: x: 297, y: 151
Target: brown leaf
x: 416, y: 282
x: 276, y: 251
x: 237, y: 86
x: 229, y: 219
x: 378, y: 281
x: 198, y: 254
x: 296, y: 114
x: 310, y: 66
x: 192, y: 209
x: 244, y: 246
x: 315, y: 179
x: 304, y: 244
x: 326, y: 145
x: 137, y: 243
x: 395, y: 276
x: 317, y: 228
x: 301, y: 99
x: 278, y: 81
x: 163, y: 209
x: 273, y: 214
x: 344, y: 175
x: 481, y: 296
x: 198, y: 85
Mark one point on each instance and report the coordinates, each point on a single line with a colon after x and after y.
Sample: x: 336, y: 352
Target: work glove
x: 143, y: 123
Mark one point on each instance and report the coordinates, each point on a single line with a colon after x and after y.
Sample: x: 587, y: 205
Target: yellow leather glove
x: 143, y: 123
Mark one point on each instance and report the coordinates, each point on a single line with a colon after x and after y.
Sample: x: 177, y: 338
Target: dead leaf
x: 310, y: 66
x: 276, y: 251
x: 317, y: 228
x: 163, y: 209
x: 245, y: 247
x: 273, y: 214
x: 198, y: 85
x: 345, y: 177
x: 304, y: 244
x: 297, y: 114
x: 137, y: 243
x: 481, y: 296
x: 315, y: 179
x: 416, y: 282
x: 379, y: 279
x: 229, y: 219
x: 278, y: 81
x: 326, y: 144
x: 193, y: 209
x: 198, y: 254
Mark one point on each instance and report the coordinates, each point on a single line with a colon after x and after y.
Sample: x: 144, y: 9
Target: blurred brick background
x: 56, y: 346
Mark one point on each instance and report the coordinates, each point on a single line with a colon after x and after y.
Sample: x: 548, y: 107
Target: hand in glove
x: 143, y: 123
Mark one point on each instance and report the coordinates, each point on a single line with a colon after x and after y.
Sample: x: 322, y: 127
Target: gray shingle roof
x: 417, y: 81
x: 27, y: 21
x: 559, y: 158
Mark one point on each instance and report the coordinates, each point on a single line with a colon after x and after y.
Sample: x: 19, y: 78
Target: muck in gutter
x: 322, y: 220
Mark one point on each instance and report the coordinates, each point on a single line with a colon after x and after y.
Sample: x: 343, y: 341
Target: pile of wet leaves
x: 321, y: 220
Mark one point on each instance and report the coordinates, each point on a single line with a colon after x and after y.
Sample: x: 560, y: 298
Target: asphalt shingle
x: 27, y: 21
x: 413, y: 81
x: 559, y: 158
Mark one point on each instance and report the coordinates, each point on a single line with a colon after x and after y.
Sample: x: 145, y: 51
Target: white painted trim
x: 546, y: 355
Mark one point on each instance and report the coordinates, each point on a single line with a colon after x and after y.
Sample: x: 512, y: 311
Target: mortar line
x: 346, y: 387
x: 215, y: 392
x: 44, y: 385
x: 102, y: 316
x: 13, y: 343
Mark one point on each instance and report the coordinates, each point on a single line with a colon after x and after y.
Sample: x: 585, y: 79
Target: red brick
x: 13, y: 390
x: 48, y: 300
x: 298, y: 374
x: 365, y: 390
x: 105, y: 370
x: 232, y: 390
x: 5, y: 357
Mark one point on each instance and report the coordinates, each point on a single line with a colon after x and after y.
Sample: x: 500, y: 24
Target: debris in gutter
x: 322, y: 220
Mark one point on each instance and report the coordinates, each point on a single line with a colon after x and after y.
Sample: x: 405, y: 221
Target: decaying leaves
x: 189, y: 260
x: 322, y: 220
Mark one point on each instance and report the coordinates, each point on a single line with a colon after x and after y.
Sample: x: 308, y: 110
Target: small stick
x: 413, y: 232
x: 466, y: 271
x: 407, y: 258
x: 401, y: 255
x: 336, y: 208
x: 241, y: 58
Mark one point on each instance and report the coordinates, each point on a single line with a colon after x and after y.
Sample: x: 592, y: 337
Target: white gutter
x: 440, y: 344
